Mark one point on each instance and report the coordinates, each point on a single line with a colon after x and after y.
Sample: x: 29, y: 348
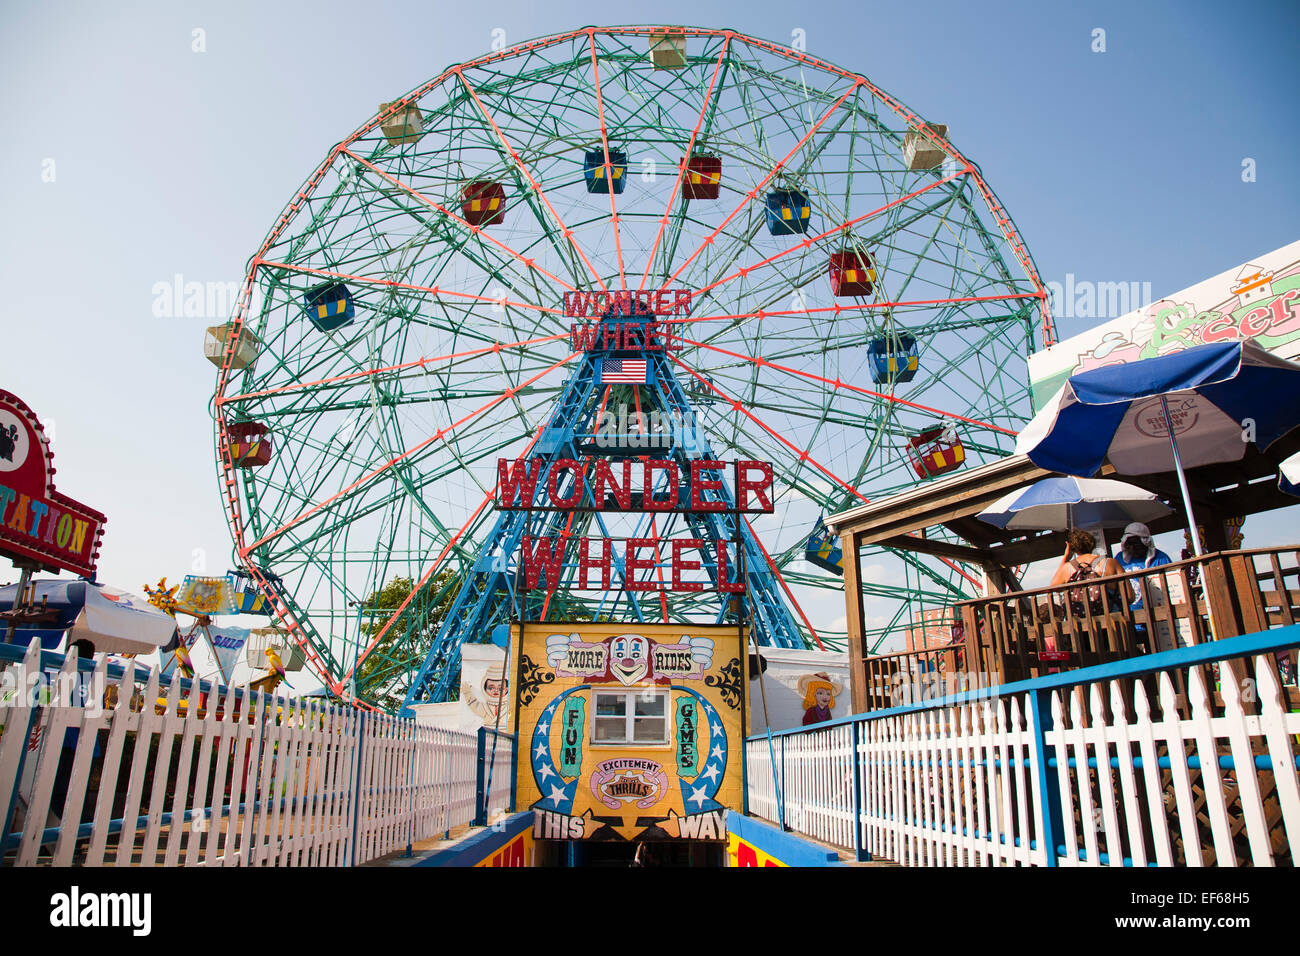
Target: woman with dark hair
x: 1081, y: 562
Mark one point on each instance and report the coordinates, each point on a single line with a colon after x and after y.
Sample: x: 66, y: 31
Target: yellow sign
x: 518, y: 852
x: 743, y: 853
x: 629, y: 731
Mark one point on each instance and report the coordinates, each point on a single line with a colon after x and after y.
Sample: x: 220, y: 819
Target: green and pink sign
x: 1257, y: 300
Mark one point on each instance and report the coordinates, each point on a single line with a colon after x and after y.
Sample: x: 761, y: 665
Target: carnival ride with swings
x: 202, y: 599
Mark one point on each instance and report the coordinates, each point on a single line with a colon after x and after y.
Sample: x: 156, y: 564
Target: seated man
x: 1137, y: 553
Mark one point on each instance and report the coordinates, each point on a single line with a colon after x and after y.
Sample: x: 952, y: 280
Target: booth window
x: 630, y: 717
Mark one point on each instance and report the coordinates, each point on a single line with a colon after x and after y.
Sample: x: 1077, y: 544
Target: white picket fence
x: 1061, y: 771
x: 218, y: 779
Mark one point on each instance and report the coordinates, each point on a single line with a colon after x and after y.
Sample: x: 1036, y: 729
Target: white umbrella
x: 119, y: 622
x: 1069, y: 502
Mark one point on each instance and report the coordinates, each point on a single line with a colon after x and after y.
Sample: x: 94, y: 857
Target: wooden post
x: 1245, y: 585
x: 855, y: 618
x: 974, y: 657
x: 1224, y: 618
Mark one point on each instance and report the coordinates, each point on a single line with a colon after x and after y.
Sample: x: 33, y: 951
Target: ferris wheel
x: 847, y: 297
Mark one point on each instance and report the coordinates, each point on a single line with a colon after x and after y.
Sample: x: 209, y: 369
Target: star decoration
x: 698, y: 796
x: 540, y: 751
x: 717, y: 753
x: 711, y: 773
x: 557, y: 795
x: 545, y: 772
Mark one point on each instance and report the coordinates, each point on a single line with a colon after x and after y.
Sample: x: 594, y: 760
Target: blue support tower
x: 490, y: 595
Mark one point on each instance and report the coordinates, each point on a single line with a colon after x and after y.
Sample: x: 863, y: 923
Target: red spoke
x: 609, y: 176
x: 766, y: 179
x: 807, y: 243
x: 838, y: 384
x: 420, y: 584
x: 438, y: 436
x: 801, y: 452
x: 404, y: 366
x: 838, y: 308
x: 477, y: 230
x: 681, y: 172
x: 393, y: 284
x: 564, y: 230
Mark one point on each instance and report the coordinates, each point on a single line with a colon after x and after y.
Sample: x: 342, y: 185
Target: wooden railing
x: 1026, y: 634
x: 909, y: 677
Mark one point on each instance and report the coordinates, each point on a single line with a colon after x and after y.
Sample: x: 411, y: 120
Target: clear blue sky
x: 1117, y: 166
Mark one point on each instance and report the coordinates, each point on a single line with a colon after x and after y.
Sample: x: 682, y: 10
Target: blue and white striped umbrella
x: 1196, y: 407
x: 1068, y: 502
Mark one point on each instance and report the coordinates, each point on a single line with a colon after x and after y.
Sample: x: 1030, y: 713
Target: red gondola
x: 935, y: 451
x: 484, y: 203
x: 852, y: 273
x: 703, y: 177
x: 250, y: 444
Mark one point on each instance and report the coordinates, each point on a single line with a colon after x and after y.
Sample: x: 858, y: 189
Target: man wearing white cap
x: 1138, y: 552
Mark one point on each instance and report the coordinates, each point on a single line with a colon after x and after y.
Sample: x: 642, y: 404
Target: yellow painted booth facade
x: 629, y: 731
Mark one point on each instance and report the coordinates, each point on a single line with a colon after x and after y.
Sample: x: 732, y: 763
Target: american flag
x: 627, y: 371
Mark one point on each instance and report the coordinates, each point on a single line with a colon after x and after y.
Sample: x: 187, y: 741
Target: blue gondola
x: 593, y: 169
x: 823, y: 548
x: 249, y: 598
x: 329, y: 306
x: 893, y: 359
x: 788, y: 212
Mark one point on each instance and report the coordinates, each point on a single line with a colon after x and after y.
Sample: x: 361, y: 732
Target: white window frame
x: 630, y: 695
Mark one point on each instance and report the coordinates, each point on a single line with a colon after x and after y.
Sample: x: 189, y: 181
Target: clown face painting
x: 629, y: 658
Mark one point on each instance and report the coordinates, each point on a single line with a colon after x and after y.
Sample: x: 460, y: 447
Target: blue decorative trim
x: 786, y: 847
x: 481, y: 845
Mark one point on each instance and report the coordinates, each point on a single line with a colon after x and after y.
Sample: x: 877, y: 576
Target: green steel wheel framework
x: 386, y: 431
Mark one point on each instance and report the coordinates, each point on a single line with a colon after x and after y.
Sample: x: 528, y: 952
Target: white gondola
x: 668, y: 51
x: 261, y: 638
x: 246, y: 349
x: 404, y: 126
x: 920, y: 153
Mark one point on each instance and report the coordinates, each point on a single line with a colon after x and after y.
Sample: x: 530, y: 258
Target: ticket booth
x: 629, y: 736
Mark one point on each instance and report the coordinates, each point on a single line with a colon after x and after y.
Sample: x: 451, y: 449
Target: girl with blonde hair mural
x: 819, y: 691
